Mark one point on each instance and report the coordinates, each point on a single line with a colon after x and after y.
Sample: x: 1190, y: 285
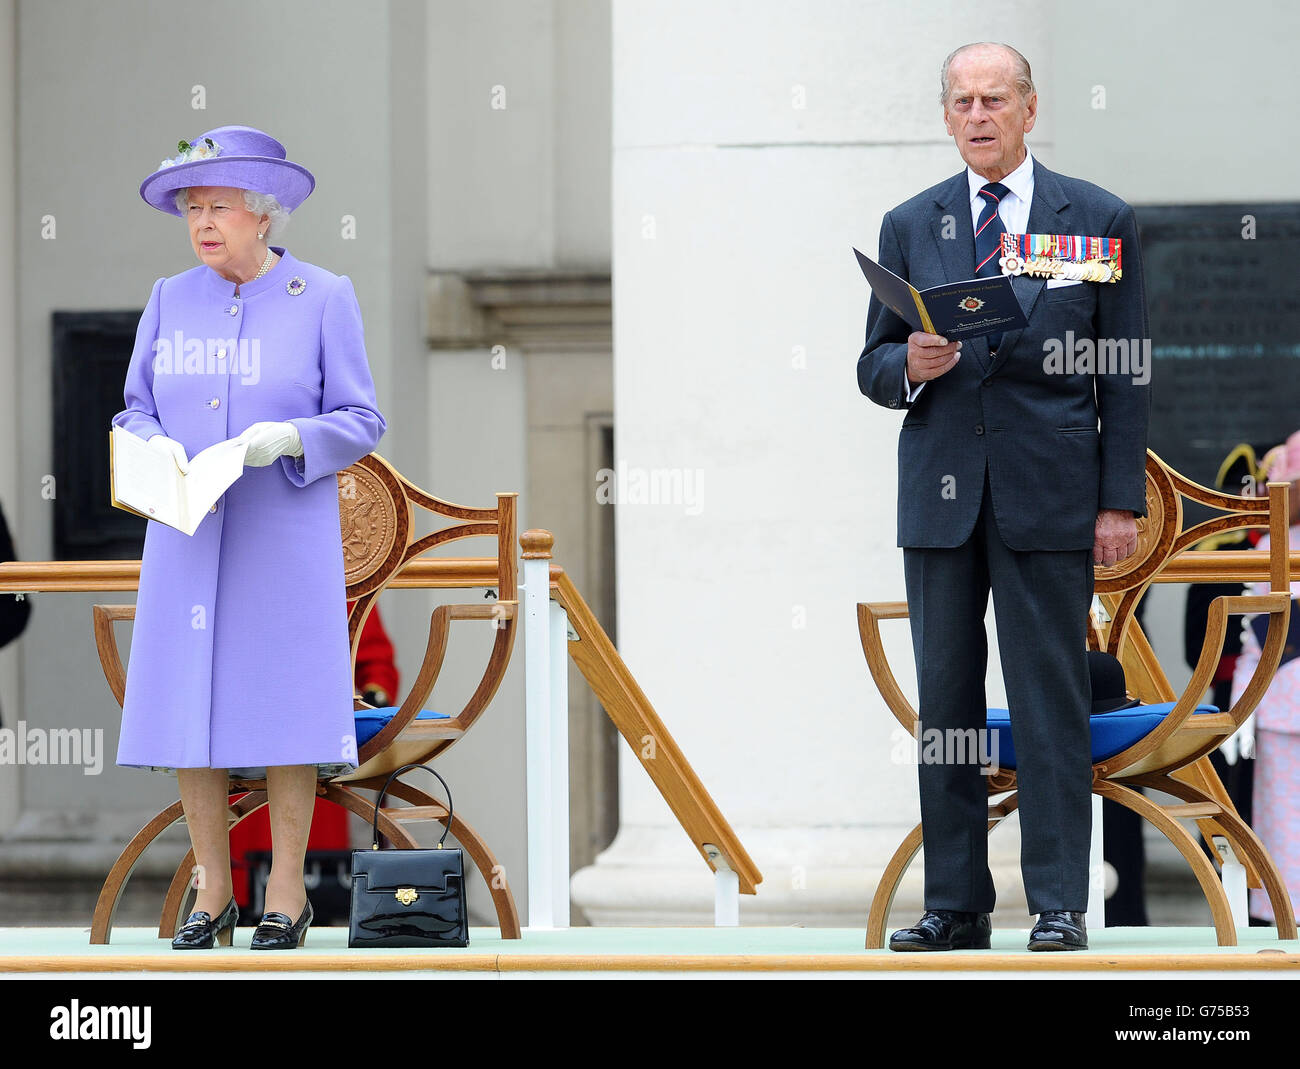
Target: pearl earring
x: 259, y: 236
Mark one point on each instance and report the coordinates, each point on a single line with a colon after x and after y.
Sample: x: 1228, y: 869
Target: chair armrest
x: 869, y: 616
x: 1278, y: 607
x: 110, y: 657
x: 1211, y: 652
x: 503, y: 614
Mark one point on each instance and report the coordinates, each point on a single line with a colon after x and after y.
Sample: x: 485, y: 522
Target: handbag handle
x: 379, y: 802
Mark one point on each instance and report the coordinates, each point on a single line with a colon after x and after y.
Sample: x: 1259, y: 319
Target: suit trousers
x: 1040, y: 603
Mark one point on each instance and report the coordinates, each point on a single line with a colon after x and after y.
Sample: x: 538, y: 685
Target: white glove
x: 172, y: 448
x: 1242, y: 742
x: 268, y: 442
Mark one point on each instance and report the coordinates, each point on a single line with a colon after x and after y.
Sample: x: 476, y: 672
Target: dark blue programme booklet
x: 969, y: 309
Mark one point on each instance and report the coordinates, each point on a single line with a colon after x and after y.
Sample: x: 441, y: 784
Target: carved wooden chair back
x: 376, y: 505
x: 1185, y: 735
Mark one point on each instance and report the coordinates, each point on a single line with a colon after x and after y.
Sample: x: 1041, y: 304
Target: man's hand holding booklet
x: 150, y: 482
x: 956, y: 310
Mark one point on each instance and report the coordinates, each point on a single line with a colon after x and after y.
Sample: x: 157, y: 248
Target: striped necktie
x: 988, y: 239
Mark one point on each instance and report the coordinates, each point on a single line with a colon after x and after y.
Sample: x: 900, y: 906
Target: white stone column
x: 9, y: 429
x: 753, y: 145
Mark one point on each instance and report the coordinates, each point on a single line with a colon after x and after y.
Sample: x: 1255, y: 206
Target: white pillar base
x: 817, y: 877
x: 726, y: 898
x: 1234, y: 882
x: 1096, y: 915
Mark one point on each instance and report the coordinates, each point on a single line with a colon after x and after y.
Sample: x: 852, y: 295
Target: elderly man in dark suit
x: 1017, y: 471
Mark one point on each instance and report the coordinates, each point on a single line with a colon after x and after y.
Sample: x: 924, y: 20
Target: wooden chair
x: 1172, y: 757
x: 376, y: 520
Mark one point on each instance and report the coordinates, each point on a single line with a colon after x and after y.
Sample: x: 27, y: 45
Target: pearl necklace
x: 266, y: 265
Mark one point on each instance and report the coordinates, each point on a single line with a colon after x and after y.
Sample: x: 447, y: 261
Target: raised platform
x: 644, y: 952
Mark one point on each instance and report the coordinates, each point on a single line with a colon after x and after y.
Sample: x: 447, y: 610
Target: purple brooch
x: 296, y: 285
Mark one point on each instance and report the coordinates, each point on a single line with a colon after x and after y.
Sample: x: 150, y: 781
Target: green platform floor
x: 662, y: 951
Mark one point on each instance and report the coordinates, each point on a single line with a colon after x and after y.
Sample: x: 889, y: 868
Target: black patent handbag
x: 408, y: 898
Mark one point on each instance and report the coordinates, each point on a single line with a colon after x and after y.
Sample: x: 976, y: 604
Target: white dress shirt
x: 1013, y: 210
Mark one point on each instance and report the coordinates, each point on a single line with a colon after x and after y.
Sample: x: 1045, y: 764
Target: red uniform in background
x: 376, y: 666
x: 376, y: 682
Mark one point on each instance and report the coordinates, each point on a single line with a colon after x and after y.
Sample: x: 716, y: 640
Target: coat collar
x: 952, y: 229
x: 283, y: 270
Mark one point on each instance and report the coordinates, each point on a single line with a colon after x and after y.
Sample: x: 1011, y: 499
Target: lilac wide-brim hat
x: 235, y: 156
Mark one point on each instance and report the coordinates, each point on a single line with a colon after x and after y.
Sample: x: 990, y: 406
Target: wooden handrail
x: 1221, y: 566
x: 594, y: 654
x: 626, y: 704
x: 70, y: 576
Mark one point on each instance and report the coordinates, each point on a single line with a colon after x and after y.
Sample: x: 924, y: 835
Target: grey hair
x: 1023, y: 79
x: 257, y: 203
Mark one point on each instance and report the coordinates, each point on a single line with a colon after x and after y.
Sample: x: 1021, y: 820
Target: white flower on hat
x: 202, y: 150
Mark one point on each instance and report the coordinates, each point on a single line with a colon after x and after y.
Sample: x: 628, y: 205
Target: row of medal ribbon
x: 1070, y: 256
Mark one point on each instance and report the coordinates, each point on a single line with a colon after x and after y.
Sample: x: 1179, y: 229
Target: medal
x: 1076, y: 257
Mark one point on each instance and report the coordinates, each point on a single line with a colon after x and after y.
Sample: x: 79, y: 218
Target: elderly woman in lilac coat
x: 239, y: 662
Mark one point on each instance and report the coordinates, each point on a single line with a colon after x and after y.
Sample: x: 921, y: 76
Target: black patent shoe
x: 201, y: 932
x: 275, y: 932
x: 945, y: 929
x: 1059, y: 929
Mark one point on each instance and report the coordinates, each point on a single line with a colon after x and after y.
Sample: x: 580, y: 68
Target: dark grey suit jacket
x: 1057, y: 447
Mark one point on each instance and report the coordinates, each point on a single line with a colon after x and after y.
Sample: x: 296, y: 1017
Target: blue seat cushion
x: 370, y: 722
x: 1111, y: 732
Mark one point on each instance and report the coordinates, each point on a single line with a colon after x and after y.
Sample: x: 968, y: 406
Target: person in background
x: 376, y: 668
x: 14, y: 612
x: 1238, y: 474
x: 1276, y: 720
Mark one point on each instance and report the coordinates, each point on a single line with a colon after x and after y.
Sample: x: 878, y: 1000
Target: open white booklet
x: 149, y: 483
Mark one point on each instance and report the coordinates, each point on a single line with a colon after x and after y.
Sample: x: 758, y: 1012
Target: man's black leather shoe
x: 1059, y: 929
x: 945, y: 929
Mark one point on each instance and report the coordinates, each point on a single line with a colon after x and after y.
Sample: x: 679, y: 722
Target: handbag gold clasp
x: 406, y: 895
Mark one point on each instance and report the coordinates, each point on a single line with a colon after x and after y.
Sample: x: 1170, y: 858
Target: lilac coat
x: 239, y: 656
